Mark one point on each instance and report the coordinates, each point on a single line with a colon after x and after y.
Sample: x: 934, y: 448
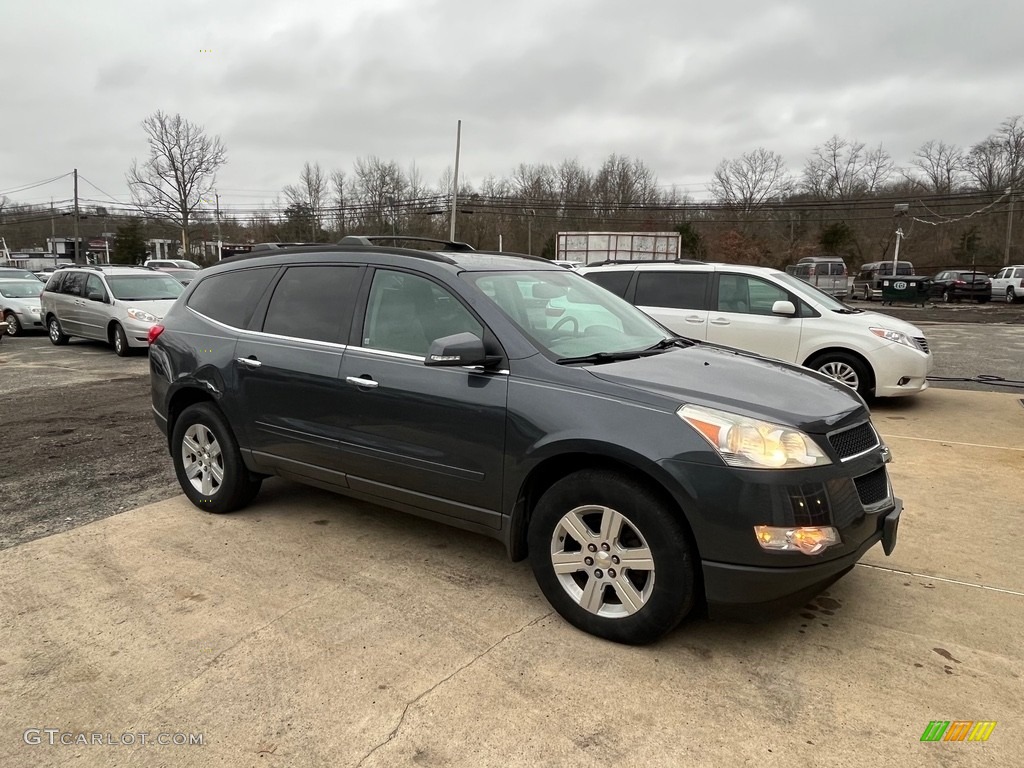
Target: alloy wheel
x: 202, y: 459
x: 602, y: 561
x: 841, y: 372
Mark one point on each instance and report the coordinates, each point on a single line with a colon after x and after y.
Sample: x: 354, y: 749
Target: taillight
x: 154, y: 333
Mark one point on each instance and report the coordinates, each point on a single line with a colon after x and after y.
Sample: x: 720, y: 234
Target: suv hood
x: 868, y: 319
x: 742, y: 383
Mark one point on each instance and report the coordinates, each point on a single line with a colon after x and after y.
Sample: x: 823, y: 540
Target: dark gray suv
x: 640, y: 473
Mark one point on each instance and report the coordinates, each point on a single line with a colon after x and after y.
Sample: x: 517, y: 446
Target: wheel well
x: 181, y: 400
x: 553, y: 469
x: 842, y: 351
x: 110, y: 330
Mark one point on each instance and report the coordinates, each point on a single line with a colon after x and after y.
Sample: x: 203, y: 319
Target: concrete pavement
x: 310, y: 630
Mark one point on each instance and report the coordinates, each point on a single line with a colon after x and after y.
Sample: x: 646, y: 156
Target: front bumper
x: 900, y: 370
x: 752, y: 592
x: 137, y: 332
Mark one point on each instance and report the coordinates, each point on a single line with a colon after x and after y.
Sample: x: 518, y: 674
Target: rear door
x: 678, y: 299
x: 429, y: 437
x: 93, y: 314
x: 742, y: 317
x: 1000, y: 281
x: 68, y: 303
x: 287, y: 367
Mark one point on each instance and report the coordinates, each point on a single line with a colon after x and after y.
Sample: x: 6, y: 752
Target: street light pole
x: 1009, y: 229
x: 455, y: 180
x: 76, y: 216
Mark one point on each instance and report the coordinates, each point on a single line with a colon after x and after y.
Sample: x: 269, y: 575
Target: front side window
x: 94, y: 285
x: 231, y: 297
x: 313, y: 302
x: 566, y: 315
x: 748, y: 295
x: 405, y: 313
x: 675, y: 290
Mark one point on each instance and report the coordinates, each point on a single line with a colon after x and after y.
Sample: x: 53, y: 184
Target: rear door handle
x: 359, y: 381
x: 720, y: 321
x: 248, y: 362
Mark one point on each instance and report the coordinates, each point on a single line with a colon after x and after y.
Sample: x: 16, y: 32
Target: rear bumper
x: 757, y: 593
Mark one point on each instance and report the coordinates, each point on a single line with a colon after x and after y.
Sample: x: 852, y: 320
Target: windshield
x: 826, y: 300
x: 184, y: 264
x: 19, y: 274
x: 144, y: 287
x: 20, y: 289
x: 566, y: 315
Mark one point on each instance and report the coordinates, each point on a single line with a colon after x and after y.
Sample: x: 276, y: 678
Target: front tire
x: 57, y: 336
x: 120, y: 341
x: 208, y: 463
x: 611, y: 557
x: 13, y: 326
x: 846, y: 369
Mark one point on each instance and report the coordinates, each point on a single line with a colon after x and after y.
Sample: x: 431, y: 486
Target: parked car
x: 171, y: 264
x: 777, y: 315
x: 640, y: 473
x: 827, y: 273
x: 19, y: 305
x: 867, y: 284
x: 1008, y: 284
x: 568, y: 264
x: 955, y: 284
x: 18, y: 273
x: 114, y: 304
x: 183, y: 276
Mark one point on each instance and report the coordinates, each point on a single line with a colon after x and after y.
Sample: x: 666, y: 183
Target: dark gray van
x: 867, y: 284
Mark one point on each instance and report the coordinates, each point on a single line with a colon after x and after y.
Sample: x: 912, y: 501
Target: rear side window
x: 53, y: 284
x: 74, y: 284
x: 314, y: 302
x: 1019, y: 273
x: 676, y: 290
x: 617, y: 282
x: 231, y: 297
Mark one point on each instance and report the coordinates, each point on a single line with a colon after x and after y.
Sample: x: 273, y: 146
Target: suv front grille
x: 872, y: 487
x: 854, y: 441
x: 922, y: 342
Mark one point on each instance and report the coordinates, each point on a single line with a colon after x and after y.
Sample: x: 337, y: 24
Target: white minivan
x: 776, y: 315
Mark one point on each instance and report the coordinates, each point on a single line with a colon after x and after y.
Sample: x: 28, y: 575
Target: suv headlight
x: 140, y: 315
x: 745, y: 442
x: 897, y: 337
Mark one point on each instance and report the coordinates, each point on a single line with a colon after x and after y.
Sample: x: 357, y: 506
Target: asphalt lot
x: 313, y: 630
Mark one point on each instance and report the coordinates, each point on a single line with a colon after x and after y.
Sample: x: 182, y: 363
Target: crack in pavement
x: 439, y: 683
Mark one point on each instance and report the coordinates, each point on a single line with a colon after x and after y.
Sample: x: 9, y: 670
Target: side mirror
x: 458, y: 349
x: 783, y: 308
x: 94, y: 295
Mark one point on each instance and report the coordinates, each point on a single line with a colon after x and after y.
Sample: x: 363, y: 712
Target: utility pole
x: 220, y: 242
x: 455, y: 180
x: 1009, y: 229
x: 76, y: 217
x: 53, y: 233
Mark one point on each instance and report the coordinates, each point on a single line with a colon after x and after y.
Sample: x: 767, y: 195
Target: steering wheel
x: 566, y: 321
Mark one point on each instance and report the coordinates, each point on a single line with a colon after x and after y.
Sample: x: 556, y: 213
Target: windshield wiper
x: 671, y: 341
x: 603, y: 357
x: 847, y: 311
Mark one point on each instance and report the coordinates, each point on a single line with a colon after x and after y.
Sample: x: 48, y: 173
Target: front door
x: 429, y: 437
x: 742, y: 317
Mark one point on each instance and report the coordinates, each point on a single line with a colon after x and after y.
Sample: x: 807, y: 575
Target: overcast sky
x: 680, y: 85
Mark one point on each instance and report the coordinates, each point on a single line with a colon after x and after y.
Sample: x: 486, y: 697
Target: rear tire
x: 846, y: 369
x: 13, y: 326
x: 208, y: 462
x: 640, y: 581
x: 1011, y: 297
x: 57, y: 336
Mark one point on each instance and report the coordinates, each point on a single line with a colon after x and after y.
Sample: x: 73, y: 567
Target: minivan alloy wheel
x: 602, y: 561
x: 842, y: 372
x: 13, y: 326
x: 202, y: 459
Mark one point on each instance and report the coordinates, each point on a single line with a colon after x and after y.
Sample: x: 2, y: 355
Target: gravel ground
x: 79, y: 439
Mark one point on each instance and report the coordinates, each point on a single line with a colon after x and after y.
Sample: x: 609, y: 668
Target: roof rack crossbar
x: 449, y: 245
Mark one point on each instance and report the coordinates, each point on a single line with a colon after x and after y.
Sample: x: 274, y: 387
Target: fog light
x: 903, y: 381
x: 809, y: 540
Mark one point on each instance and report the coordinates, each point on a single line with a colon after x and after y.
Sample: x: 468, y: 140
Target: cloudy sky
x: 680, y: 85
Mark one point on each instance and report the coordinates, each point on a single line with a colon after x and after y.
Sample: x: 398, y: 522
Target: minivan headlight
x: 898, y: 337
x: 745, y: 442
x: 142, y: 316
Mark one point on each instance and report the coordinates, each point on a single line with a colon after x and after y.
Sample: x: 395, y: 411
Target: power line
x: 33, y: 185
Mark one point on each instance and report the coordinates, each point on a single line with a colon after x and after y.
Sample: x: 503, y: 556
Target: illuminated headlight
x: 897, y: 337
x: 746, y: 442
x: 140, y: 315
x: 810, y: 540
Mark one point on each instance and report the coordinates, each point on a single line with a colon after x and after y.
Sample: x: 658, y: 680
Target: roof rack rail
x: 275, y: 246
x: 449, y: 245
x: 645, y: 261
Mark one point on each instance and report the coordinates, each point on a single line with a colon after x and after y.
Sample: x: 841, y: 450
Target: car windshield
x: 184, y: 264
x: 568, y: 316
x: 19, y: 274
x: 144, y: 287
x: 20, y: 289
x: 806, y: 289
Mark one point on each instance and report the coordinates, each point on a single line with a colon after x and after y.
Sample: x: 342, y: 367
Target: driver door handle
x: 366, y: 383
x: 248, y: 362
x: 694, y: 319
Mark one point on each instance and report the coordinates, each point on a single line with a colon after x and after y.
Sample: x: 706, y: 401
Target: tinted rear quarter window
x: 676, y: 290
x: 314, y: 302
x: 231, y: 297
x: 616, y: 282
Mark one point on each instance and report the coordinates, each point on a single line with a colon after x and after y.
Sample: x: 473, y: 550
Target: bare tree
x: 941, y: 166
x: 748, y: 181
x: 998, y: 161
x: 180, y: 171
x: 340, y: 187
x: 842, y: 169
x: 622, y: 182
x: 311, y: 192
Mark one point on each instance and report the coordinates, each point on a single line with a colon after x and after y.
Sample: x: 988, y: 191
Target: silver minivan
x: 117, y: 305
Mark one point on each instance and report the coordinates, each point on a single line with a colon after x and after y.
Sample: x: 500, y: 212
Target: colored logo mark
x: 958, y: 730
